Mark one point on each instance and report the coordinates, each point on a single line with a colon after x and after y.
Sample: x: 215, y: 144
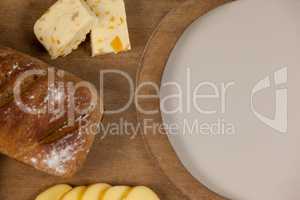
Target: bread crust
x: 46, y: 143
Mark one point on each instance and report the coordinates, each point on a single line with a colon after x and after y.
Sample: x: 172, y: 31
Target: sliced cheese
x: 95, y: 191
x: 64, y: 26
x: 54, y: 193
x: 116, y: 193
x: 75, y: 194
x: 141, y: 193
x: 110, y: 33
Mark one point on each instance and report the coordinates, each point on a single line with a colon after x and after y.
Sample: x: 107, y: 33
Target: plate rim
x: 152, y: 65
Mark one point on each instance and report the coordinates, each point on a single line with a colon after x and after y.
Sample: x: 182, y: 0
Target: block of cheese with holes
x: 64, y: 26
x: 110, y: 33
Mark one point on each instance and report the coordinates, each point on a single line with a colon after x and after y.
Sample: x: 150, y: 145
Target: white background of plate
x: 243, y: 42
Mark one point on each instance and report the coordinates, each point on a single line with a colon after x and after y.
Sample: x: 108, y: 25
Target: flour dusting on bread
x: 52, y: 146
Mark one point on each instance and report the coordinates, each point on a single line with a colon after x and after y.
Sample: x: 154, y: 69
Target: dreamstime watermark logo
x: 61, y: 100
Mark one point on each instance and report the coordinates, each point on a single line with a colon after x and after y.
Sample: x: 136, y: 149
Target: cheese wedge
x: 110, y: 33
x: 64, y: 26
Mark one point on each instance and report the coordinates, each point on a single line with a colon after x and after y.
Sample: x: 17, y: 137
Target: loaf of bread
x: 44, y: 138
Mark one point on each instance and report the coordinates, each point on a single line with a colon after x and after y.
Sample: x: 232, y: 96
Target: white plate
x: 245, y: 57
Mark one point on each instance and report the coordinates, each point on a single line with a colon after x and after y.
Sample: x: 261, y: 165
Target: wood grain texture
x: 116, y: 159
x: 153, y: 63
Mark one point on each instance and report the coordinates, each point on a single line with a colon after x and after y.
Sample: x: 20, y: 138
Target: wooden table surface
x: 117, y: 159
